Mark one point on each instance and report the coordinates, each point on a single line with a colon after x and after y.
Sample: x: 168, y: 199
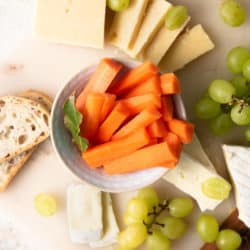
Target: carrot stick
x: 152, y: 85
x: 170, y: 84
x: 174, y: 143
x: 157, y: 129
x: 109, y: 103
x: 183, y: 129
x: 134, y: 77
x: 103, y: 77
x: 103, y: 153
x: 153, y: 141
x: 167, y: 107
x: 148, y: 157
x: 91, y: 115
x: 142, y: 120
x: 114, y: 120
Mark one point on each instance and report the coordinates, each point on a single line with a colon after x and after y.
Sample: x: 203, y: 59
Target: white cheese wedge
x: 161, y: 42
x: 84, y: 210
x: 188, y: 176
x: 126, y: 24
x: 75, y: 22
x: 153, y: 20
x: 238, y: 164
x: 110, y: 229
x: 186, y: 48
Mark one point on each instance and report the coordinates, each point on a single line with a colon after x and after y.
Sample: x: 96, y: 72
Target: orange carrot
x: 114, y: 120
x: 109, y: 103
x: 183, y: 129
x: 174, y: 143
x: 170, y: 84
x: 142, y: 120
x: 167, y: 107
x: 102, y: 78
x: 91, y: 115
x: 103, y: 153
x: 153, y: 141
x: 134, y: 77
x: 148, y: 157
x: 157, y: 129
x: 139, y: 103
x: 152, y: 85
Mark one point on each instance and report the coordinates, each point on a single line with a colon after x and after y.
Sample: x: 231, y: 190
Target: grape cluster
x: 227, y: 103
x: 147, y: 221
x: 207, y: 228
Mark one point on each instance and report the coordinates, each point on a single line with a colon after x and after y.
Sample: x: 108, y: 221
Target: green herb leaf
x: 72, y: 121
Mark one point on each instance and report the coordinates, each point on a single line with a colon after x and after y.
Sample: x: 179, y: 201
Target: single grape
x: 137, y: 208
x: 222, y: 124
x: 207, y: 228
x: 118, y: 5
x: 236, y: 59
x: 232, y: 13
x: 45, y: 204
x: 246, y: 70
x: 157, y: 241
x: 128, y: 219
x: 241, y: 85
x: 176, y: 17
x: 221, y: 91
x: 180, y: 207
x: 207, y: 109
x: 247, y: 134
x: 174, y: 228
x: 150, y: 196
x: 133, y: 236
x: 228, y: 240
x: 216, y: 188
x: 240, y: 115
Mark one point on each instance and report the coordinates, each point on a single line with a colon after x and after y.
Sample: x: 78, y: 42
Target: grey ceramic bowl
x: 70, y: 156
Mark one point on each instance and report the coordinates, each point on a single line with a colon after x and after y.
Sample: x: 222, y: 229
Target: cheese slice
x: 238, y: 164
x: 186, y: 48
x: 84, y: 210
x: 75, y: 22
x: 110, y: 229
x: 153, y: 20
x: 126, y: 24
x: 188, y: 176
x: 162, y: 42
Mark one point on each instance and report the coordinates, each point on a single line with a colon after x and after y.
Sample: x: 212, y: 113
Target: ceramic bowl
x: 71, y: 157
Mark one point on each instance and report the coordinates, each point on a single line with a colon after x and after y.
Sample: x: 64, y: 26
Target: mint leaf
x: 72, y: 121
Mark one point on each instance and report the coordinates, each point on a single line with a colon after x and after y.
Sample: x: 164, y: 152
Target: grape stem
x: 156, y: 212
x: 243, y: 102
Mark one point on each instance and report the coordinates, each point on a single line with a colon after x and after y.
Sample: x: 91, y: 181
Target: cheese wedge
x: 238, y: 164
x: 186, y: 48
x: 126, y: 24
x: 84, y: 211
x: 153, y: 20
x: 162, y: 42
x: 72, y: 22
x: 188, y: 176
x: 110, y: 229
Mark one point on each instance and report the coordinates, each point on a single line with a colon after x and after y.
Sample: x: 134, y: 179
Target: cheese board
x: 46, y: 66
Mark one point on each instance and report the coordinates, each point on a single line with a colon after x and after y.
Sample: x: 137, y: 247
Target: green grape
x: 216, y: 188
x: 176, y: 17
x: 247, y: 134
x: 240, y: 116
x: 207, y: 228
x: 45, y: 204
x: 246, y: 70
x: 174, y: 228
x: 150, y: 196
x: 137, y: 208
x: 207, y: 109
x: 222, y: 124
x: 221, y: 91
x: 241, y: 85
x: 236, y: 59
x: 133, y: 236
x: 180, y: 207
x: 128, y: 219
x: 118, y: 5
x: 232, y: 13
x: 228, y: 240
x: 157, y: 241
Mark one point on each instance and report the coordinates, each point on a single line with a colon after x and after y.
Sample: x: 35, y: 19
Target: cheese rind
x: 186, y: 48
x: 72, y: 22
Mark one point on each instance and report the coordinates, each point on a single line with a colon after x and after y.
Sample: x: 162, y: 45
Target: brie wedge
x: 238, y: 164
